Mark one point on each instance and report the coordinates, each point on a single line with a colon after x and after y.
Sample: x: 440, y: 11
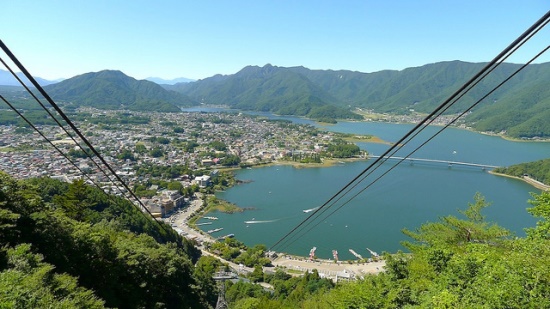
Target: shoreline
x: 528, y: 180
x: 326, y: 162
x: 508, y: 138
x: 377, y: 119
x: 291, y: 264
x: 345, y: 269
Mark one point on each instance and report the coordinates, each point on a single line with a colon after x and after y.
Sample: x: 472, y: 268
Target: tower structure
x: 221, y: 276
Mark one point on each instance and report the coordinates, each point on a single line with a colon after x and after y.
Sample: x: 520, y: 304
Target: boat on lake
x: 309, y: 210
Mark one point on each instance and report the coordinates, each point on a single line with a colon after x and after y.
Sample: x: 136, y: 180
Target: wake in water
x: 270, y: 221
x: 310, y: 210
x: 264, y: 221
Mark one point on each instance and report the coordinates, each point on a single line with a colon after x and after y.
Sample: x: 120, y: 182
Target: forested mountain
x: 115, y: 90
x: 523, y: 110
x: 520, y: 107
x: 270, y: 89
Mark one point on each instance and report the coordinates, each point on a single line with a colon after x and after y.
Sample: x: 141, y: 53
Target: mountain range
x: 270, y: 89
x: 520, y: 108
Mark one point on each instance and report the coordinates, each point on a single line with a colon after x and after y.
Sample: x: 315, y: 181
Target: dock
x: 214, y: 230
x: 357, y: 255
x: 203, y: 223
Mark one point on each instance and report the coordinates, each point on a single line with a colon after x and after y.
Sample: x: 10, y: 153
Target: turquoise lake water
x: 406, y: 197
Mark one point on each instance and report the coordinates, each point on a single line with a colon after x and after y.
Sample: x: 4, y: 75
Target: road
x: 329, y: 269
x: 180, y: 219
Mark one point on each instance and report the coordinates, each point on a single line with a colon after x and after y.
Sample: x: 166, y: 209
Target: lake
x: 406, y: 197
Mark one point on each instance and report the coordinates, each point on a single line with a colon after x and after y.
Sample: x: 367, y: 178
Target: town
x: 164, y: 157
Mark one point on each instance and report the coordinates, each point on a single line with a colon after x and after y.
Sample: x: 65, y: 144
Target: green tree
x: 257, y: 274
x: 230, y: 160
x: 75, y: 201
x: 156, y: 152
x: 28, y: 282
x: 140, y: 148
x: 175, y: 185
x: 126, y: 154
x: 540, y: 209
x: 219, y: 146
x: 454, y: 231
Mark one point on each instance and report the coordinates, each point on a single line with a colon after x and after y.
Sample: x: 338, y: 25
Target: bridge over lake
x: 449, y: 163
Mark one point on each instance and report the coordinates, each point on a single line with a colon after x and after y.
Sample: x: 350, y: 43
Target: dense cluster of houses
x: 253, y: 140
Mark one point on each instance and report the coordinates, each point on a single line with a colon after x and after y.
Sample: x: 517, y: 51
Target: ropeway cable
x: 527, y: 34
x: 101, y: 169
x: 59, y: 124
x: 417, y: 148
x: 419, y: 131
x: 385, y: 158
x: 47, y: 139
x: 56, y: 148
x: 74, y: 128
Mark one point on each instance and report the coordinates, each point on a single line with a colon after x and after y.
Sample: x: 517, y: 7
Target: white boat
x: 309, y: 210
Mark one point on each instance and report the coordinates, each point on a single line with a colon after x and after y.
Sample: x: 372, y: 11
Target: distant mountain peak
x: 174, y: 81
x: 6, y: 79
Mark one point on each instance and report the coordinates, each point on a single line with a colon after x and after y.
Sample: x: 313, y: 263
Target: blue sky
x: 200, y: 38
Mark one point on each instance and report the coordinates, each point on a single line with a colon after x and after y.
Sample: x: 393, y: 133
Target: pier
x: 214, y: 230
x: 449, y: 163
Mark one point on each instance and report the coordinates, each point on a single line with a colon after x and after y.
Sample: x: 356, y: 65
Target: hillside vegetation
x: 269, y: 89
x: 519, y: 108
x: 115, y: 90
x: 71, y: 246
x: 538, y: 170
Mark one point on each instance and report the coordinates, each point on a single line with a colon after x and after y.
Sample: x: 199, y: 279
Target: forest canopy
x: 70, y: 245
